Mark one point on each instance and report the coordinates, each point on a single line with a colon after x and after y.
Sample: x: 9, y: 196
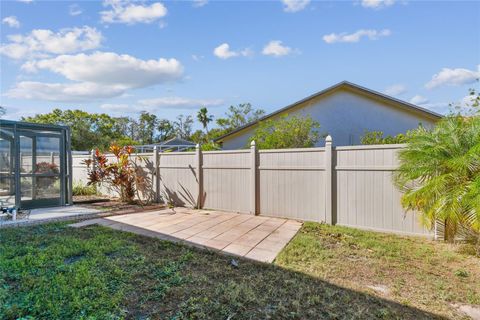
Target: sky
x: 121, y: 57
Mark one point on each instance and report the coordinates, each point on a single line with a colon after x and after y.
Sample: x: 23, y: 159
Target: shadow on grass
x: 212, y: 288
x: 164, y: 280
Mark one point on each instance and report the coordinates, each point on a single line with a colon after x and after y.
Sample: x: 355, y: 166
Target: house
x: 345, y: 111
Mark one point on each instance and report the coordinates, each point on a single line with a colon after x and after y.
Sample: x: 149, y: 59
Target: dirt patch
x: 469, y: 310
x: 384, y: 290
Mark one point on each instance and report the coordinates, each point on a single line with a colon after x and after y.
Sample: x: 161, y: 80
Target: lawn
x: 56, y: 272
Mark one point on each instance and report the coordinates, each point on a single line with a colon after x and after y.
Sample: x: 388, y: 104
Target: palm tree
x: 440, y: 175
x: 204, y: 118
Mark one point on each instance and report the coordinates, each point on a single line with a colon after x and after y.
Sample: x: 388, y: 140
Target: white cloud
x: 128, y: 12
x: 276, y: 48
x: 42, y: 42
x: 25, y: 1
x: 377, y: 4
x: 468, y: 100
x: 156, y: 104
x: 75, y: 10
x: 117, y: 108
x: 439, y: 107
x: 419, y: 100
x: 11, y: 21
x: 453, y: 77
x: 109, y: 68
x: 62, y: 92
x: 294, y: 5
x: 95, y: 76
x: 223, y: 52
x: 395, y: 90
x: 178, y: 103
x: 199, y: 3
x: 356, y: 36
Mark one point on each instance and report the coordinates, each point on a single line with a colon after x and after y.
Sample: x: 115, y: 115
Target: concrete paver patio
x: 254, y: 237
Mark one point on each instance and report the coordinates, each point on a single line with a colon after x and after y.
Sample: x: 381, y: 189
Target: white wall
x: 346, y: 115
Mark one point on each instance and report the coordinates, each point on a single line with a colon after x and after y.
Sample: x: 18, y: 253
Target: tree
x: 147, y: 124
x: 287, y: 132
x: 3, y: 110
x: 183, y: 126
x: 165, y: 130
x: 199, y: 137
x: 440, y: 174
x: 239, y: 115
x: 88, y: 130
x: 204, y: 118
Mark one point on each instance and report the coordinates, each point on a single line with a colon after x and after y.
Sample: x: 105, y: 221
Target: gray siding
x: 345, y: 116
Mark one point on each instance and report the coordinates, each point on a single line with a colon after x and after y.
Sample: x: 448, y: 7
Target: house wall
x: 346, y: 115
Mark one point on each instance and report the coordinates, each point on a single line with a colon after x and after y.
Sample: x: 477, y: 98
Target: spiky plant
x: 440, y: 174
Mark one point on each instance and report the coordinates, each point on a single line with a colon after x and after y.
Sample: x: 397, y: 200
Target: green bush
x: 377, y: 137
x: 286, y: 132
x: 440, y: 175
x: 80, y: 189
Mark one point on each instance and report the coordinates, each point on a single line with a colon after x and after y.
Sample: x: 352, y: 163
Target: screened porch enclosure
x: 35, y: 165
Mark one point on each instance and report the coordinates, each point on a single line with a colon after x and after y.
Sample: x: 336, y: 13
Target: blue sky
x: 121, y: 57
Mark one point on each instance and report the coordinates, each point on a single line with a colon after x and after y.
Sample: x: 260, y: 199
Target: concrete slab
x: 253, y: 237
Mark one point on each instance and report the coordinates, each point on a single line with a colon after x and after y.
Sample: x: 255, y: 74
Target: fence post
x: 94, y: 165
x: 52, y: 157
x: 199, y: 173
x: 328, y: 181
x: 253, y: 178
x: 156, y: 175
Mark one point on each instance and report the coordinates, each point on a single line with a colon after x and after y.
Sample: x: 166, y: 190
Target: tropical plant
x: 124, y: 175
x: 204, y: 118
x: 287, y: 132
x: 440, y: 175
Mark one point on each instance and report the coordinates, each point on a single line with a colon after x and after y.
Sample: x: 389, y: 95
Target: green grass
x: 418, y: 272
x: 56, y: 272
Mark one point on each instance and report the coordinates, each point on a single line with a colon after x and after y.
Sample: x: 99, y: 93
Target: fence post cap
x: 328, y: 139
x: 252, y: 144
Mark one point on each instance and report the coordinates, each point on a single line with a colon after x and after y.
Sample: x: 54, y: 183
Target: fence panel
x: 365, y: 194
x: 178, y: 181
x: 79, y: 169
x: 350, y: 186
x: 226, y: 180
x: 292, y: 183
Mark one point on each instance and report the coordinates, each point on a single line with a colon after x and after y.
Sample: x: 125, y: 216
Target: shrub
x: 377, y: 137
x: 45, y: 183
x: 123, y: 175
x: 440, y: 175
x: 286, y: 132
x: 80, y: 189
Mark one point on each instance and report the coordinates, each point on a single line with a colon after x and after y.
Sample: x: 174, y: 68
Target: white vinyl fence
x: 350, y: 186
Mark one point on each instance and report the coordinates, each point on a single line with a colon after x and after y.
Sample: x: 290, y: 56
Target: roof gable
x: 352, y: 88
